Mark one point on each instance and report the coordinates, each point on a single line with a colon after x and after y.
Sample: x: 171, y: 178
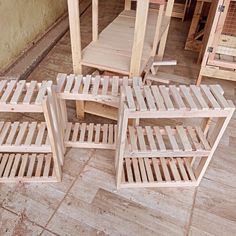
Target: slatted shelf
x: 166, y: 141
x: 98, y: 89
x: 24, y: 137
x: 157, y: 172
x: 91, y: 135
x: 17, y: 167
x: 19, y: 96
x: 176, y: 101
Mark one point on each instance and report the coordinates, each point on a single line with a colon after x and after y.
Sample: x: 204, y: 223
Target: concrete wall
x: 21, y: 21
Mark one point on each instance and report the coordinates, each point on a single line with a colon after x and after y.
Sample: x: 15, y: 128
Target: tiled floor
x: 87, y: 202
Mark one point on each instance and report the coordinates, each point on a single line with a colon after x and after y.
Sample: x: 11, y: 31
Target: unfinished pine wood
x: 17, y: 167
x: 163, y: 101
x: 82, y: 135
x: 220, y: 49
x: 102, y: 89
x: 156, y: 172
x: 165, y: 156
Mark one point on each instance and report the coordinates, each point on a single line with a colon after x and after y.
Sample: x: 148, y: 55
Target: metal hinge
x: 210, y: 49
x: 221, y: 8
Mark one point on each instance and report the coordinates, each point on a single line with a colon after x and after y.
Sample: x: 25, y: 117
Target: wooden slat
x: 133, y: 138
x: 136, y: 170
x: 30, y: 170
x: 97, y: 133
x: 141, y: 140
x: 69, y: 83
x: 174, y: 170
x: 115, y: 86
x: 75, y: 132
x: 21, y: 134
x: 68, y: 131
x: 8, y: 166
x: 105, y: 84
x: 188, y: 97
x: 177, y: 97
x: 104, y: 129
x: 215, y: 89
x: 12, y: 133
x: 189, y: 170
x: 87, y: 81
x: 210, y: 97
x: 182, y: 169
x: 38, y: 172
x: 41, y: 130
x: 140, y: 99
x: 166, y: 97
x: 42, y: 92
x: 202, y: 138
x: 129, y: 170
x: 15, y: 167
x: 3, y: 84
x: 24, y: 160
x: 48, y: 160
x: 4, y: 132
x: 3, y: 163
x: 90, y: 132
x: 96, y: 85
x: 82, y: 132
x: 159, y: 138
x: 31, y: 131
x: 19, y: 88
x: 130, y: 98
x: 148, y: 170
x: 172, y: 138
x: 149, y: 98
x: 194, y: 139
x: 8, y: 92
x: 150, y: 137
x: 198, y: 95
x: 184, y: 138
x: 77, y: 85
x: 29, y: 92
x: 157, y: 169
x: 158, y: 98
x: 142, y: 170
x: 165, y: 169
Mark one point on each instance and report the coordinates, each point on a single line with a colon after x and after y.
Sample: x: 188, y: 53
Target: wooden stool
x: 104, y: 90
x: 30, y: 151
x: 170, y: 155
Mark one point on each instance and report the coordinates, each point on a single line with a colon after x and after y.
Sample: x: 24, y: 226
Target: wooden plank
x: 198, y: 95
x: 133, y: 138
x: 3, y: 84
x: 189, y: 170
x: 38, y: 172
x: 12, y: 134
x: 141, y: 140
x: 182, y: 169
x: 137, y: 176
x: 29, y: 92
x: 82, y: 132
x: 48, y: 160
x: 202, y: 138
x: 165, y: 169
x: 129, y: 170
x: 87, y: 81
x: 148, y: 170
x: 31, y: 166
x: 68, y: 131
x: 130, y: 98
x: 4, y: 132
x: 42, y: 92
x: 188, y: 97
x: 61, y: 80
x: 105, y: 84
x: 41, y: 130
x: 8, y: 166
x: 184, y: 138
x: 8, y: 92
x: 31, y: 131
x: 194, y: 138
x: 3, y: 163
x: 21, y: 134
x: 69, y: 83
x: 75, y: 132
x: 15, y: 167
x: 210, y: 97
x: 77, y: 85
x: 90, y: 132
x: 24, y: 160
x: 104, y: 129
x: 159, y: 138
x: 174, y: 170
x: 142, y: 170
x: 166, y: 97
x: 19, y: 88
x: 215, y: 89
x: 178, y: 99
x: 115, y: 85
x: 96, y: 85
x: 158, y: 98
x: 157, y: 169
x: 97, y: 133
x: 150, y: 99
x: 150, y: 137
x: 140, y: 99
x: 172, y: 138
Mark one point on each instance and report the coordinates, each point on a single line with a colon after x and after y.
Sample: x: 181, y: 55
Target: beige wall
x: 21, y: 21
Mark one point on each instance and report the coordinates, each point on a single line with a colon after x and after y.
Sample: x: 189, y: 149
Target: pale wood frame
x: 211, y: 67
x: 128, y: 110
x: 140, y: 26
x: 45, y: 103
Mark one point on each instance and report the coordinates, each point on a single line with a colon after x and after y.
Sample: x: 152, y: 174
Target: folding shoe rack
x: 105, y: 90
x: 29, y: 151
x: 169, y: 156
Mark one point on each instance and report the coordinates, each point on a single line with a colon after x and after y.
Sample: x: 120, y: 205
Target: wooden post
x: 158, y: 29
x: 95, y: 19
x: 75, y: 37
x: 139, y: 35
x: 127, y: 4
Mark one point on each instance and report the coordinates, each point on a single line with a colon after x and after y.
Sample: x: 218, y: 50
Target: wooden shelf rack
x: 19, y: 139
x: 219, y: 60
x: 173, y: 155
